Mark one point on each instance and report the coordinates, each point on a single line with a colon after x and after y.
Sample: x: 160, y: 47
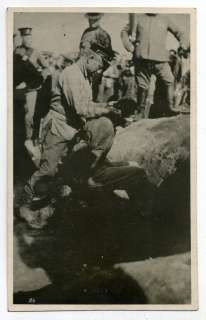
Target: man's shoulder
x: 86, y: 31
x: 103, y: 31
x: 19, y: 50
x: 34, y: 51
x: 71, y: 73
x: 72, y: 68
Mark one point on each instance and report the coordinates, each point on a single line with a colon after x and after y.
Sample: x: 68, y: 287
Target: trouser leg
x: 142, y: 99
x: 130, y: 178
x: 142, y: 76
x: 119, y: 176
x: 164, y: 73
x: 169, y: 98
x: 53, y: 150
x: 29, y: 107
x: 82, y: 162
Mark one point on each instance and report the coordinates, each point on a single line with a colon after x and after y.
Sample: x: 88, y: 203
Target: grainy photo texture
x: 100, y: 119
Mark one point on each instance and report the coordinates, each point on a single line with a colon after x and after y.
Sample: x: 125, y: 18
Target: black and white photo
x: 102, y: 198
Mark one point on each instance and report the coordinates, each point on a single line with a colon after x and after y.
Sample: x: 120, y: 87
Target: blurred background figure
x: 127, y: 81
x: 182, y: 88
x: 175, y: 65
x: 26, y: 52
x: 109, y: 89
x: 16, y: 40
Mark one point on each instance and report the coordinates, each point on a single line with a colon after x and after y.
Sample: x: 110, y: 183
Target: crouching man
x: 79, y: 132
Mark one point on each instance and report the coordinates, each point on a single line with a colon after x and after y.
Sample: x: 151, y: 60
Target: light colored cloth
x: 72, y: 97
x: 145, y: 69
x: 58, y: 125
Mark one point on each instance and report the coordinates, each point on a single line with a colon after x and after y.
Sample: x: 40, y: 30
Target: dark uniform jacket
x: 146, y: 35
x: 95, y: 35
x: 24, y: 71
x: 34, y: 56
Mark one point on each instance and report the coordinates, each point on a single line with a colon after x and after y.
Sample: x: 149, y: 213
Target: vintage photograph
x: 101, y: 210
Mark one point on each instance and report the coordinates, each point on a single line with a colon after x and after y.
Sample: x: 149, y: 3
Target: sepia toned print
x: 102, y: 171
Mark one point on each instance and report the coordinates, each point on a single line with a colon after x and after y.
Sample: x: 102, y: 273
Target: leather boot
x: 169, y: 101
x: 142, y: 97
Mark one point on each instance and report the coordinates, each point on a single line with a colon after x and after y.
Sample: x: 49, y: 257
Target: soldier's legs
x: 96, y: 141
x: 142, y: 75
x: 29, y: 107
x: 117, y: 176
x: 54, y: 149
x: 101, y: 132
x: 110, y: 175
x: 164, y: 73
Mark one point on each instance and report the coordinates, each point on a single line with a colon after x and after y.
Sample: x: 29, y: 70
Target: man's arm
x: 125, y: 37
x: 128, y: 33
x: 178, y: 34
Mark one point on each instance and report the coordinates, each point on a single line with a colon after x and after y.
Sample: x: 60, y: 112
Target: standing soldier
x: 95, y: 34
x: 26, y: 51
x: 146, y: 36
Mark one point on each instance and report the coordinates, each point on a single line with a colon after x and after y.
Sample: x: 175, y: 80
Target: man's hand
x: 25, y: 57
x: 21, y: 86
x: 115, y: 111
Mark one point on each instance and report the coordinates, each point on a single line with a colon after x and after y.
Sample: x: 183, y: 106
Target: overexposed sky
x: 61, y: 32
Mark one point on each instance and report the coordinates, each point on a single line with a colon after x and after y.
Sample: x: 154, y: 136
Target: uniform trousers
x: 29, y: 107
x: 143, y: 70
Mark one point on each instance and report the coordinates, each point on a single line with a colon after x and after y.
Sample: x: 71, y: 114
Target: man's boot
x: 170, y: 112
x: 142, y: 97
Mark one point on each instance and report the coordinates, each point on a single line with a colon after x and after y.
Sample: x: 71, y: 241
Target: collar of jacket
x: 82, y: 66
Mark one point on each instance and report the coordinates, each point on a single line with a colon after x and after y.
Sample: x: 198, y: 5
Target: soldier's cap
x: 94, y: 15
x: 26, y: 31
x: 106, y: 54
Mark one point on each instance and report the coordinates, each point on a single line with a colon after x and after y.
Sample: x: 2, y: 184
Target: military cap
x: 106, y: 54
x: 26, y: 31
x: 94, y: 15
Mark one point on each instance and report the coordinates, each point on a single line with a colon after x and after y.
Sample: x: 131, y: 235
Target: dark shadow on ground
x: 81, y: 241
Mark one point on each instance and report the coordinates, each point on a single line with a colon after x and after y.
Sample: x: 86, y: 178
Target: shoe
x: 121, y: 194
x: 65, y: 191
x: 36, y: 219
x: 93, y: 184
x: 172, y: 113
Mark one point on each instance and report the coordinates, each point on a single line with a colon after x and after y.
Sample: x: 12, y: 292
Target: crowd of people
x: 67, y: 107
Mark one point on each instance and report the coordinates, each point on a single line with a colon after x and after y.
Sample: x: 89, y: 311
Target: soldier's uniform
x: 25, y: 76
x: 95, y: 34
x: 72, y: 110
x: 38, y: 61
x: 145, y: 36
